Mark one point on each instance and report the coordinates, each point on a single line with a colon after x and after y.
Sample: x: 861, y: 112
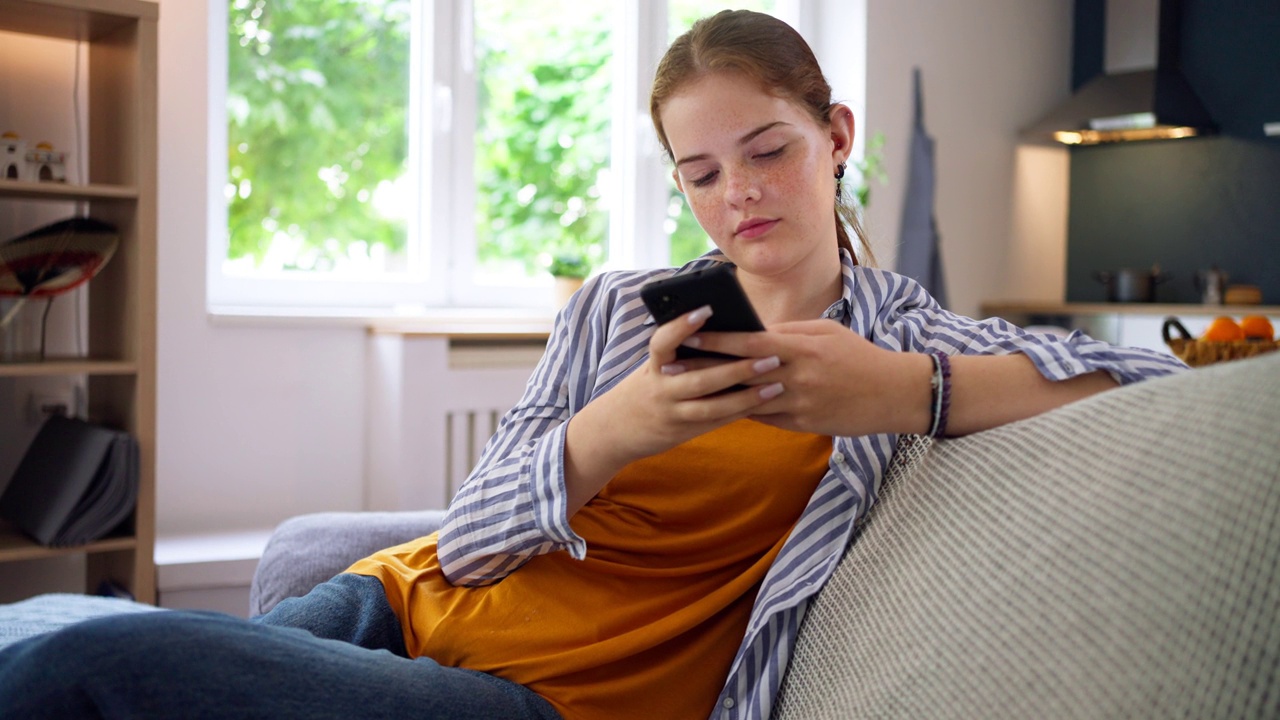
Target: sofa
x: 1118, y: 557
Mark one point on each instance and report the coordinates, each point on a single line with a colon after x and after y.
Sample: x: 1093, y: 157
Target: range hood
x: 1142, y: 94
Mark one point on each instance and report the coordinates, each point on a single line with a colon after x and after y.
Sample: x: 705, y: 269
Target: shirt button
x: 837, y: 457
x: 833, y: 313
x: 728, y: 703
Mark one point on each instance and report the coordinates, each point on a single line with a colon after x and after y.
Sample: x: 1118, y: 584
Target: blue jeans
x: 336, y: 653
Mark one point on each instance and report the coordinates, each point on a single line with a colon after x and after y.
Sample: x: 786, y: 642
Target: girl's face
x: 758, y: 172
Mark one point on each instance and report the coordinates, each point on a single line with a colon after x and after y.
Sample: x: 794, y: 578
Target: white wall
x: 255, y: 422
x: 260, y: 422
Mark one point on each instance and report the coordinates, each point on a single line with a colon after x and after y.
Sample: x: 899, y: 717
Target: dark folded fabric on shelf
x: 76, y: 483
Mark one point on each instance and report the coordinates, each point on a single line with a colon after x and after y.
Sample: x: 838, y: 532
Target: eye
x: 705, y: 180
x: 770, y: 154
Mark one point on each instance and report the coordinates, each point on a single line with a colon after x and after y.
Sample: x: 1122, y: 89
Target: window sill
x: 478, y: 323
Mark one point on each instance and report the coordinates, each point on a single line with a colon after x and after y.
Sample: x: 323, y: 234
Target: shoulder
x: 886, y: 293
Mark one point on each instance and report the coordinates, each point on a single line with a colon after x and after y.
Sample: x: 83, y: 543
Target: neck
x: 802, y: 293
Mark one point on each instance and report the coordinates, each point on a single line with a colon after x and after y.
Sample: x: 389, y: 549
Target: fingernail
x: 673, y: 369
x: 765, y: 365
x: 692, y: 341
x: 771, y: 391
x: 700, y: 314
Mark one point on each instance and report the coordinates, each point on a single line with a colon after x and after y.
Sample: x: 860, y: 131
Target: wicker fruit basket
x: 1196, y: 352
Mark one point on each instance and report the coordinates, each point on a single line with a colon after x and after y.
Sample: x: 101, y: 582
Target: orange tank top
x: 648, y: 624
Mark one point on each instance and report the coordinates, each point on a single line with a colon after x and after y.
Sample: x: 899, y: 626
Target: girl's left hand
x: 835, y: 381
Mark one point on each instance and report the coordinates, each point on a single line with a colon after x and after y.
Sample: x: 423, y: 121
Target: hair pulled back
x: 768, y: 51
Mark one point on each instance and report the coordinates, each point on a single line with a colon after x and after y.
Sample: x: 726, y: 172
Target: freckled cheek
x: 709, y: 211
x: 784, y: 181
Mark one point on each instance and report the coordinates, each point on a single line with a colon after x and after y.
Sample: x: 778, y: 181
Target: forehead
x: 720, y: 108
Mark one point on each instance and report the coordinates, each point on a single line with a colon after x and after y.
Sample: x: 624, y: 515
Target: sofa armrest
x: 307, y: 550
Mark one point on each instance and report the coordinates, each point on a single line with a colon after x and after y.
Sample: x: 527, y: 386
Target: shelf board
x: 68, y: 366
x: 16, y: 546
x: 63, y: 191
x: 73, y: 19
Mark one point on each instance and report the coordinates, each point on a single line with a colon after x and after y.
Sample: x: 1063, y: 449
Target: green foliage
x: 870, y: 167
x: 569, y: 264
x: 542, y: 144
x: 688, y: 240
x: 317, y: 103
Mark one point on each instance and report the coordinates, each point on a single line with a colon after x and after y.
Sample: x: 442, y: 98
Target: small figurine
x: 12, y: 156
x: 44, y: 164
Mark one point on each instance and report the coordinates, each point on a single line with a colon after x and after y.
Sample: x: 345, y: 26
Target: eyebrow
x: 741, y: 141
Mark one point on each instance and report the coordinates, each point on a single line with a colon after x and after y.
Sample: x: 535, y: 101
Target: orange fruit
x: 1257, y: 327
x: 1223, y: 329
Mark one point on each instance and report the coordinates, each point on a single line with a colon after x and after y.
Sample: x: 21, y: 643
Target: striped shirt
x: 513, y: 506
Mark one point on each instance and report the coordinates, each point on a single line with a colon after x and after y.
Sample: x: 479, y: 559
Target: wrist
x: 940, y: 395
x: 591, y: 456
x: 913, y: 400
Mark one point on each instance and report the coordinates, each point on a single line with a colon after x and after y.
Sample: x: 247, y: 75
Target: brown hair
x: 768, y: 51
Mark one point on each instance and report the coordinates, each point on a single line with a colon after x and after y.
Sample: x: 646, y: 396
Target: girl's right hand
x: 662, y: 404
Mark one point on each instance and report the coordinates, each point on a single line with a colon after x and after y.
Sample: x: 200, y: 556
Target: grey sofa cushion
x: 307, y: 550
x: 1115, y: 558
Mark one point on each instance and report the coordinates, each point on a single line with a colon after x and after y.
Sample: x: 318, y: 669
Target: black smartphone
x: 716, y: 286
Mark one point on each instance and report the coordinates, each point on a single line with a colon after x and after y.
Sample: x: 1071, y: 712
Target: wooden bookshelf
x: 119, y: 43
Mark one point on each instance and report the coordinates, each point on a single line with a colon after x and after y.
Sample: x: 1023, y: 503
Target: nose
x: 741, y: 186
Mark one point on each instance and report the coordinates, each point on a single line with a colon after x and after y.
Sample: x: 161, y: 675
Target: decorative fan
x: 53, y: 259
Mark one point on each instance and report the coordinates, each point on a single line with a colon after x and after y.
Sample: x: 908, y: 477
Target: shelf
x: 65, y: 192
x: 16, y: 546
x: 116, y: 43
x: 72, y: 19
x: 73, y: 366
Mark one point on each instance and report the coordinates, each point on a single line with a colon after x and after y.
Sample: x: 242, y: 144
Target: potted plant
x: 569, y: 267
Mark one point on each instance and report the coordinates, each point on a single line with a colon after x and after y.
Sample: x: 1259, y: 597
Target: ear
x: 675, y: 175
x: 842, y: 132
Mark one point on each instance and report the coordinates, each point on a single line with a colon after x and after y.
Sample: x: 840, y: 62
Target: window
x: 385, y: 153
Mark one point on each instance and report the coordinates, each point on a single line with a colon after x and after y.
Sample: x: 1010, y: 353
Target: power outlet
x: 45, y: 397
x: 25, y: 404
x: 41, y: 406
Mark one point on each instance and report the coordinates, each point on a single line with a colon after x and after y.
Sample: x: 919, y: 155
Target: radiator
x: 465, y: 433
x: 432, y: 406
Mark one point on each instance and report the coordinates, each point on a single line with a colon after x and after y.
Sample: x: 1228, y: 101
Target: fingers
x: 669, y: 336
x: 715, y: 377
x: 738, y: 344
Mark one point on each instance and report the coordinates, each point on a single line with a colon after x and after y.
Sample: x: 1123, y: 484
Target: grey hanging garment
x: 919, y: 256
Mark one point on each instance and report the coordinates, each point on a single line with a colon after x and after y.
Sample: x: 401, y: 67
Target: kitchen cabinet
x: 119, y: 363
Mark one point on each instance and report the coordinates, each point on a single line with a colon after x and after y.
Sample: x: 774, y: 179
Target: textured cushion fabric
x: 1114, y: 558
x: 46, y: 613
x: 307, y: 550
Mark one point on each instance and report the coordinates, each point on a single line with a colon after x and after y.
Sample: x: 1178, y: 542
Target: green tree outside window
x: 317, y: 102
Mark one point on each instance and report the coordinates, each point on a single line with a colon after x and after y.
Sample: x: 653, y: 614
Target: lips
x: 754, y: 227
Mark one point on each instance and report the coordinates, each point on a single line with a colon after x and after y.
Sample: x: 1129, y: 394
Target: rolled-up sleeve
x: 513, y: 505
x: 910, y: 319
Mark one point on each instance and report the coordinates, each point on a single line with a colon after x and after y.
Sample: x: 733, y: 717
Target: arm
x: 511, y: 507
x: 875, y: 379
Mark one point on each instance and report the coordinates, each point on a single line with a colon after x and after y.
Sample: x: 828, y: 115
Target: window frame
x: 442, y: 157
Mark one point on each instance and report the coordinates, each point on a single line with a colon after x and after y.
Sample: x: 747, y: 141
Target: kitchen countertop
x: 1000, y: 308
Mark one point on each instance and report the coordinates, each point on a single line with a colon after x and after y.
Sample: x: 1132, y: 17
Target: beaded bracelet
x: 941, y: 394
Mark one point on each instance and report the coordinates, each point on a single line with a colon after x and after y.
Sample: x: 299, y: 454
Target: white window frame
x: 442, y: 156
